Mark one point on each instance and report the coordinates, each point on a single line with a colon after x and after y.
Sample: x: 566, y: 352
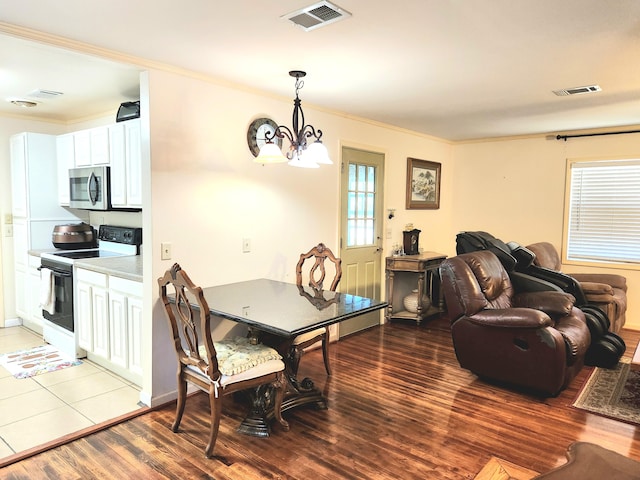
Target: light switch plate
x: 165, y: 249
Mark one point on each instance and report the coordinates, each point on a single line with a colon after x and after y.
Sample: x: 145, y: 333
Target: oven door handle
x: 57, y: 273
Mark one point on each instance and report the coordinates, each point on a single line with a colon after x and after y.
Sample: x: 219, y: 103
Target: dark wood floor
x: 400, y: 407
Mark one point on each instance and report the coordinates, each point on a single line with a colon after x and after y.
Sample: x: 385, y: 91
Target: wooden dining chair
x: 218, y: 368
x: 320, y: 253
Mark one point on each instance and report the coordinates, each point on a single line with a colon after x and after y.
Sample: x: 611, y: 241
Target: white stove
x: 59, y: 323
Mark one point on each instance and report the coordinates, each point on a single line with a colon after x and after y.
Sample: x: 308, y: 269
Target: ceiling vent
x: 317, y: 15
x: 577, y: 90
x: 40, y: 93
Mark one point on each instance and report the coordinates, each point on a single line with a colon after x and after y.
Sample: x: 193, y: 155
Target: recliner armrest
x: 613, y: 279
x: 511, y: 318
x: 596, y: 288
x: 554, y: 304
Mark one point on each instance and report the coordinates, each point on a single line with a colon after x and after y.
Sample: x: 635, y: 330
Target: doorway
x: 361, y: 200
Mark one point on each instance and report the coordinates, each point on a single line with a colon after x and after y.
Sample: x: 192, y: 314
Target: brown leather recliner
x: 535, y: 340
x: 606, y: 291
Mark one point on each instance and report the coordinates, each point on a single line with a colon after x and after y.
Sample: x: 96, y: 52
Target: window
x: 361, y: 205
x: 603, y: 211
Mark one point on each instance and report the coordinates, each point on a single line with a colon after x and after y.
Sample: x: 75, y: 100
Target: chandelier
x: 304, y: 151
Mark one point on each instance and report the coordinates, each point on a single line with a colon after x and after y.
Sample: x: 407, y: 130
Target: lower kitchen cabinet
x: 109, y: 321
x: 33, y: 317
x: 125, y: 323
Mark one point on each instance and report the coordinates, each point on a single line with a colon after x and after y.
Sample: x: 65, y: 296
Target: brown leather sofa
x: 606, y: 291
x: 536, y: 340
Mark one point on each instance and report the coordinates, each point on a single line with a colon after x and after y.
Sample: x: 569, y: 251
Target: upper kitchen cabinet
x: 117, y: 145
x: 33, y: 170
x: 126, y: 167
x: 66, y: 160
x: 91, y: 147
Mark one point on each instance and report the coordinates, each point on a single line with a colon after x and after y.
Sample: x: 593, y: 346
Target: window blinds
x: 604, y: 211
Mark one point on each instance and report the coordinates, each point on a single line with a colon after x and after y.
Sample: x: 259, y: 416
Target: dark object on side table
x: 410, y: 240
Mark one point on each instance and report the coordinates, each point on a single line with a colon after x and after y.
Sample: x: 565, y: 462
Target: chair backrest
x: 475, y: 281
x: 467, y: 242
x: 546, y: 255
x: 320, y: 253
x: 187, y: 321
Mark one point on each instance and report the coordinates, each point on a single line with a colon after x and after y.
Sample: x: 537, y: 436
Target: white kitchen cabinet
x: 125, y: 316
x: 82, y: 148
x: 19, y: 175
x: 65, y: 158
x: 92, y: 311
x: 134, y: 163
x: 126, y: 167
x: 33, y: 318
x: 134, y: 332
x: 117, y: 145
x: 83, y: 314
x: 118, y: 328
x: 91, y: 147
x: 109, y: 321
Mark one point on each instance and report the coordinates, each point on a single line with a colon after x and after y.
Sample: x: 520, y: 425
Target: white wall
x: 207, y: 194
x: 514, y: 189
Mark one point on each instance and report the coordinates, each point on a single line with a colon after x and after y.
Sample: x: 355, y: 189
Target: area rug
x: 36, y: 361
x: 613, y: 393
x: 588, y: 461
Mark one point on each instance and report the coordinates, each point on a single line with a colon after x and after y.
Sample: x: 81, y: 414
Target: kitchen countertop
x: 129, y: 266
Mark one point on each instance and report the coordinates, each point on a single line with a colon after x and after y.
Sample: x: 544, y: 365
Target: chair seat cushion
x: 237, y: 355
x: 265, y: 368
x: 309, y: 335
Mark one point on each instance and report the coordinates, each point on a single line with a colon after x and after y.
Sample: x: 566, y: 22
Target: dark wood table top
x: 284, y: 309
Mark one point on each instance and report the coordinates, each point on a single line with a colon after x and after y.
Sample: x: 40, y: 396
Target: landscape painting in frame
x: 423, y: 184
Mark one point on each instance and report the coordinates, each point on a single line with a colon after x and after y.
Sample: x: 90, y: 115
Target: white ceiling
x: 455, y: 69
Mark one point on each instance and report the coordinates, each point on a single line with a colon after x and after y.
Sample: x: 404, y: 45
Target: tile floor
x: 42, y: 408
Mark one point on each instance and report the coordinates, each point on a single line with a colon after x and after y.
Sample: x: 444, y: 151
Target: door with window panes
x: 361, y: 230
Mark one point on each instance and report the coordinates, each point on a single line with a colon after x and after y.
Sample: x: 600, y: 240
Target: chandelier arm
x: 281, y: 131
x: 309, y: 131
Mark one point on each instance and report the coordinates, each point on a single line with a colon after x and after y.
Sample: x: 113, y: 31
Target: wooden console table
x: 406, y: 273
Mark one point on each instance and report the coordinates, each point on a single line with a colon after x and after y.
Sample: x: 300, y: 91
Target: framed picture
x: 423, y: 184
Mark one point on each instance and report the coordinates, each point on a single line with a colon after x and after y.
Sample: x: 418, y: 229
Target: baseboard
x: 12, y: 322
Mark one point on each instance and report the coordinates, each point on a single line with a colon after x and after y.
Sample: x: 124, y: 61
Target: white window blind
x: 604, y: 211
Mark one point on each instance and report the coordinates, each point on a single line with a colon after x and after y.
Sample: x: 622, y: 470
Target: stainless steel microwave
x: 90, y: 188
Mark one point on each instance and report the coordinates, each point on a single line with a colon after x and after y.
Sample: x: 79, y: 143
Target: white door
x: 361, y: 231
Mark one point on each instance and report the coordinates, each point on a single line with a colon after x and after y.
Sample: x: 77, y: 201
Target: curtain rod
x: 564, y: 137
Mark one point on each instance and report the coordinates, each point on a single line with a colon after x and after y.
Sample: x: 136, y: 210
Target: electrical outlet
x: 165, y: 248
x: 7, y: 230
x: 246, y: 245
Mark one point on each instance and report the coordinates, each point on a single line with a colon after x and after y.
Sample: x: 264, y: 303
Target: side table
x: 406, y: 273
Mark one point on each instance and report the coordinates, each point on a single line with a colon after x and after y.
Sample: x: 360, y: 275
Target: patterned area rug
x: 35, y: 361
x: 613, y: 393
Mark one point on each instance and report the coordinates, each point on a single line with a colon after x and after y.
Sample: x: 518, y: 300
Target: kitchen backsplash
x: 121, y: 219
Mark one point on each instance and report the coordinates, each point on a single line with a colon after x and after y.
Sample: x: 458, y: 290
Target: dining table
x: 275, y: 313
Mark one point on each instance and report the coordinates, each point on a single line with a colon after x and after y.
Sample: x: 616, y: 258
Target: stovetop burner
x: 77, y: 255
